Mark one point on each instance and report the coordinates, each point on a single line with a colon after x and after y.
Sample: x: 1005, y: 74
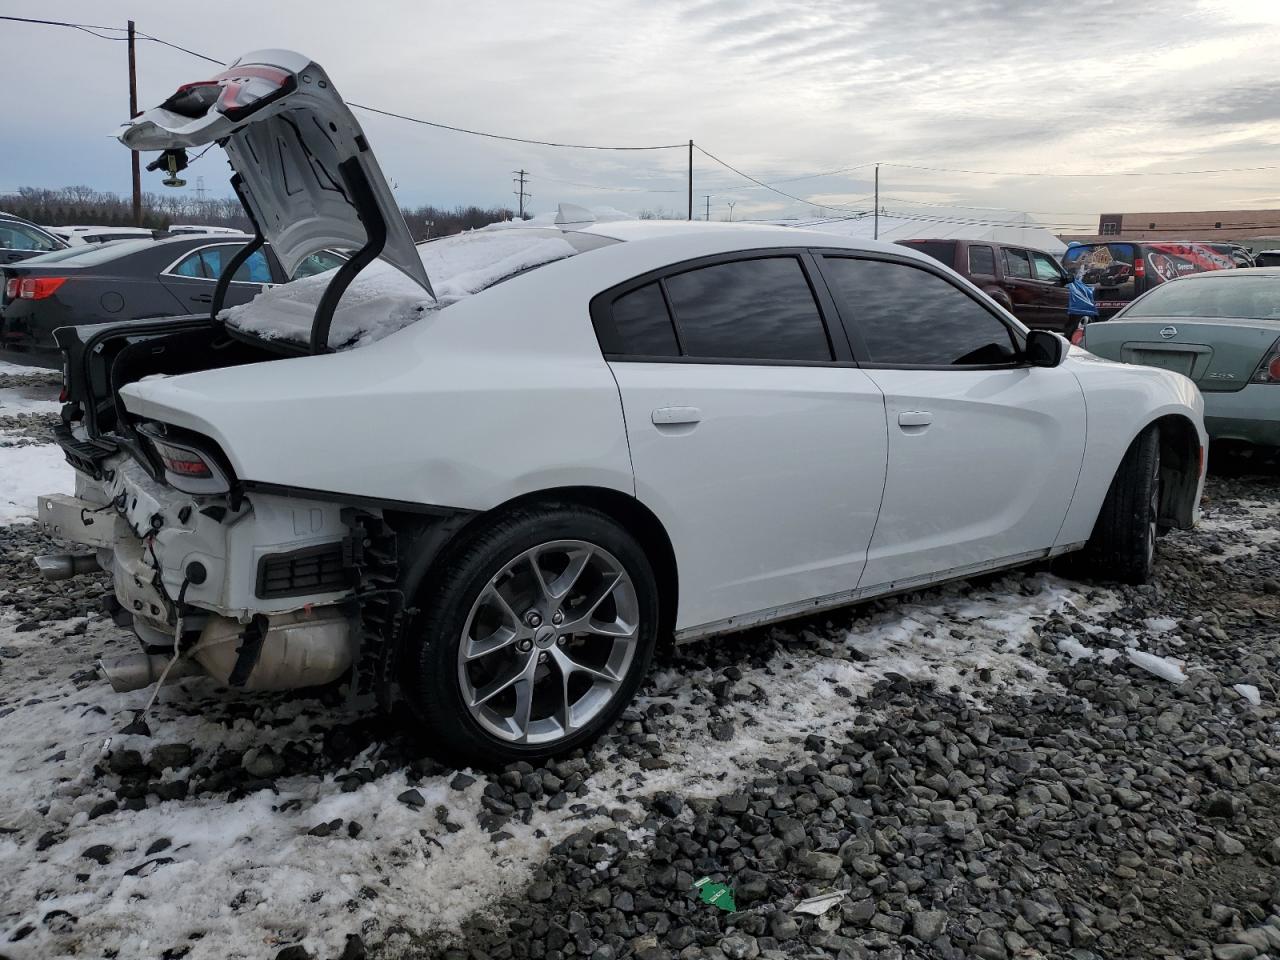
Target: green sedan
x: 1221, y: 329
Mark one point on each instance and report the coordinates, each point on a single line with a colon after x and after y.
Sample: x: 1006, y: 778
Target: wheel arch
x: 1181, y: 464
x: 432, y: 543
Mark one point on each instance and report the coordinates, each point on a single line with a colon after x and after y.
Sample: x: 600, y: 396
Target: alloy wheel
x: 548, y: 642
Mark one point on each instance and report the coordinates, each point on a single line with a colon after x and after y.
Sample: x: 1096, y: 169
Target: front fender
x: 1121, y: 401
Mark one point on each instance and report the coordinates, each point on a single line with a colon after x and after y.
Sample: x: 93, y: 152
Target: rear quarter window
x: 944, y: 251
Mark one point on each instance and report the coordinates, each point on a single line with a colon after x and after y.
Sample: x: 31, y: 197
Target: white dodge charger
x: 482, y: 477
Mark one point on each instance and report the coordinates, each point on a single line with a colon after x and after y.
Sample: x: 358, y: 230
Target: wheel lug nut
x: 557, y: 617
x: 560, y: 641
x: 524, y: 646
x: 542, y: 658
x: 533, y: 618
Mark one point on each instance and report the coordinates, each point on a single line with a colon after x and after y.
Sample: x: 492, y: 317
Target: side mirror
x: 1045, y: 349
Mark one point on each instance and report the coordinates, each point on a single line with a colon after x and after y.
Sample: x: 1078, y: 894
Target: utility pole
x: 876, y: 234
x: 731, y: 203
x: 690, y: 179
x: 708, y: 215
x: 133, y: 112
x: 520, y: 181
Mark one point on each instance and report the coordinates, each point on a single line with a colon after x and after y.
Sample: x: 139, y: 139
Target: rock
x: 540, y: 891
x: 412, y: 798
x: 99, y: 853
x: 170, y: 756
x: 103, y: 808
x: 928, y: 925
x: 1234, y: 951
x: 739, y: 946
x: 125, y: 763
x: 782, y: 926
x: 461, y: 781
x: 668, y: 804
x: 295, y: 951
x: 354, y: 948
x: 819, y: 866
x: 1227, y: 844
x: 262, y: 763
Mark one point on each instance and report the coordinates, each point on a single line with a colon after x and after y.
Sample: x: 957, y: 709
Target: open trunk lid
x: 1218, y: 354
x: 305, y: 172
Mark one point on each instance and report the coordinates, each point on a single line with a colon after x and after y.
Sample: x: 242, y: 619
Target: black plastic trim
x: 341, y: 572
x: 331, y: 496
x: 242, y: 255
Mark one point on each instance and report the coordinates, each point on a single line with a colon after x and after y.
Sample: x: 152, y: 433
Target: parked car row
x: 134, y: 279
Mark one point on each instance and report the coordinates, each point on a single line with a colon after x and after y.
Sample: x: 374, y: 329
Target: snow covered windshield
x: 382, y: 300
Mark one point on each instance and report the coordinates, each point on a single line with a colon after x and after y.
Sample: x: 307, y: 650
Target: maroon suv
x: 1030, y: 284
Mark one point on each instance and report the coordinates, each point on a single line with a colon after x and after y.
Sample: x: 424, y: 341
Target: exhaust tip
x: 64, y: 566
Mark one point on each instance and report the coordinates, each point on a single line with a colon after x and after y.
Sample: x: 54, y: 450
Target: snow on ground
x: 17, y: 369
x: 26, y: 471
x: 247, y: 874
x: 382, y: 300
x: 1248, y: 527
x: 16, y: 401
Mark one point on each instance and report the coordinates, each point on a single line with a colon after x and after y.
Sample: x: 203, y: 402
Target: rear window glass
x: 644, y: 325
x: 982, y: 261
x: 1228, y: 295
x: 748, y: 309
x: 1016, y: 264
x: 944, y: 251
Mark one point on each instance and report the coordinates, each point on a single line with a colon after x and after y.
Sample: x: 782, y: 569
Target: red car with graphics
x: 1122, y: 270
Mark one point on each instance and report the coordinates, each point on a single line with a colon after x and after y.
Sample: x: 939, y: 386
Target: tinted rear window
x: 1227, y: 295
x: 643, y: 323
x: 982, y: 261
x: 944, y: 251
x: 748, y: 309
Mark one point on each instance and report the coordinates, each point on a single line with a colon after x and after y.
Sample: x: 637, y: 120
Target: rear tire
x: 491, y: 613
x: 1123, y: 543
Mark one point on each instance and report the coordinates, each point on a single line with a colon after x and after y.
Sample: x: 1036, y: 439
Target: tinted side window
x: 982, y: 261
x: 906, y: 315
x: 1016, y: 265
x: 254, y: 270
x: 1045, y: 268
x: 748, y: 309
x: 643, y: 324
x: 191, y: 266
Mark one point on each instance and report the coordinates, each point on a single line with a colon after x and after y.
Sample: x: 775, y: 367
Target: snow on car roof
x: 382, y: 300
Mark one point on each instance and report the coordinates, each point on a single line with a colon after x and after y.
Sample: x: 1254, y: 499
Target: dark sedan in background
x: 128, y: 280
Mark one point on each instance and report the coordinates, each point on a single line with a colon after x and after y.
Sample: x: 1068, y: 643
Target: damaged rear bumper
x: 259, y: 596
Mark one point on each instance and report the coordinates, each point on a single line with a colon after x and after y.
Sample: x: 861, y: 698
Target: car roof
x: 743, y: 236
x: 1237, y: 272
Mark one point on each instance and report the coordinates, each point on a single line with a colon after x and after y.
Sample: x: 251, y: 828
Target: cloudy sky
x: 782, y: 90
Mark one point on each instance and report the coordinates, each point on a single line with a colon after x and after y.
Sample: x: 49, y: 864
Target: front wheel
x: 534, y: 638
x: 1123, y: 545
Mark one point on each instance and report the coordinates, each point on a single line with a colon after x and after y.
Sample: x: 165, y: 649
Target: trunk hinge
x: 241, y: 256
x: 375, y: 227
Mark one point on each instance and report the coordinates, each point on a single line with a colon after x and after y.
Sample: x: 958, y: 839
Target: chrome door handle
x: 915, y: 418
x: 668, y: 416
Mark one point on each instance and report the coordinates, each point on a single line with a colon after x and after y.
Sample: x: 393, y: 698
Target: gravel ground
x: 990, y: 771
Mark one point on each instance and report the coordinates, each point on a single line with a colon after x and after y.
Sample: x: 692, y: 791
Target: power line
x: 498, y: 136
x: 781, y: 193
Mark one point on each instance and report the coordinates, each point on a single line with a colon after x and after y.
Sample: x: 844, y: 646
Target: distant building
x: 1240, y: 226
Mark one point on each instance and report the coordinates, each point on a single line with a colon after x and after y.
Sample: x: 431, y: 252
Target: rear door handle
x: 915, y: 418
x: 203, y: 298
x: 670, y: 416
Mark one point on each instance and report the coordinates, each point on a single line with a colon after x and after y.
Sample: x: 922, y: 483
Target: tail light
x: 235, y: 93
x: 37, y: 288
x: 187, y: 467
x: 1268, y: 370
x: 1139, y: 267
x: 11, y: 288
